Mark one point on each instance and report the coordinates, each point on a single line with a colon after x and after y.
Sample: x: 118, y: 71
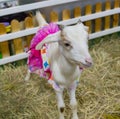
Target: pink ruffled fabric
x: 35, y: 62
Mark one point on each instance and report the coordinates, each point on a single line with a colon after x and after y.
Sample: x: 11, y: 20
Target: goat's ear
x: 49, y: 39
x: 86, y: 28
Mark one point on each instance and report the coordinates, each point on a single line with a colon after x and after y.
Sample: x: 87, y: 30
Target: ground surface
x: 98, y: 93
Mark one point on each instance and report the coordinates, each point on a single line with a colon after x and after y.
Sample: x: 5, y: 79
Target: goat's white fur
x: 65, y: 63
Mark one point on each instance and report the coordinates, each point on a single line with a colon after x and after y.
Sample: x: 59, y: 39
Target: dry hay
x: 98, y: 93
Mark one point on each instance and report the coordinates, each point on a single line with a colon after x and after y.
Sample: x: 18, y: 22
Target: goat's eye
x: 67, y: 44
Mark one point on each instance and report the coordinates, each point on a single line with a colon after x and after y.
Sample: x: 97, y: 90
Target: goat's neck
x: 65, y: 65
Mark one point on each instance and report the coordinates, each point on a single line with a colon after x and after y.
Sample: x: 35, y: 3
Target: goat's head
x: 73, y: 44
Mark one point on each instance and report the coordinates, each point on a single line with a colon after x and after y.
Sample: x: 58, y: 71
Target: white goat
x: 68, y: 53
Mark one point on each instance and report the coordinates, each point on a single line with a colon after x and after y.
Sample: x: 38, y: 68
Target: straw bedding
x: 98, y: 93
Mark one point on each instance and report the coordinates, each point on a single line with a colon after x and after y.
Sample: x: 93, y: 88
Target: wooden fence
x: 104, y: 20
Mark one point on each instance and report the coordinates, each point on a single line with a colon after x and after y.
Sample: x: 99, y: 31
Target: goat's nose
x: 89, y: 61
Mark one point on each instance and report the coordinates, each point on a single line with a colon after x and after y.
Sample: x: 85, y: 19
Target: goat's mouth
x: 81, y: 65
x: 85, y: 65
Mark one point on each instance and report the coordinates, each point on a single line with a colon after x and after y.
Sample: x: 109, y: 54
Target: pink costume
x: 38, y: 61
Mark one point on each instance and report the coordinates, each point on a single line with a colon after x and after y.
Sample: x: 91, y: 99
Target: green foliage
x: 100, y: 40
x: 112, y: 116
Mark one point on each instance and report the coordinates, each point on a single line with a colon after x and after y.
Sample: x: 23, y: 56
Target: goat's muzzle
x: 88, y: 62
